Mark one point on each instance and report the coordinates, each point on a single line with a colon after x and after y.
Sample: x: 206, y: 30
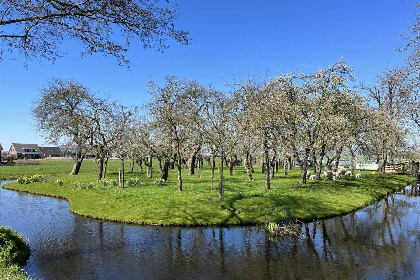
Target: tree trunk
x: 191, y: 163
x: 122, y: 173
x: 184, y: 163
x: 272, y: 170
x: 247, y: 167
x: 337, y: 159
x: 286, y: 167
x: 179, y: 166
x: 251, y: 165
x: 132, y: 166
x: 391, y: 157
x: 140, y: 164
x: 213, y: 166
x: 303, y: 166
x: 208, y: 160
x: 231, y: 166
x: 414, y: 167
x: 328, y: 164
x: 100, y: 163
x: 77, y: 163
x: 383, y: 162
x: 318, y: 169
x: 318, y: 163
x: 105, y: 167
x: 273, y: 166
x: 199, y: 164
x: 221, y: 179
x: 149, y: 167
x: 266, y: 164
x: 76, y: 167
x: 384, y: 157
x: 289, y: 159
x: 172, y: 164
x: 160, y: 167
x: 165, y: 170
x: 352, y: 160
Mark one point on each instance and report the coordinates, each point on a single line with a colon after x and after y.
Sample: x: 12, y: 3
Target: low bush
x: 133, y: 182
x: 13, y: 272
x: 23, y: 180
x: 27, y: 180
x: 160, y: 182
x: 59, y: 182
x: 84, y: 186
x: 13, y: 248
x: 14, y: 253
x: 107, y: 183
x: 37, y: 178
x: 25, y: 162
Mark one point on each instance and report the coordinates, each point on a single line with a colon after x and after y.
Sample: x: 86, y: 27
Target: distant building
x: 24, y: 151
x: 50, y: 152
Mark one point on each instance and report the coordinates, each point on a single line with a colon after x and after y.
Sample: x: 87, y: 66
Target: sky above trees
x: 230, y: 40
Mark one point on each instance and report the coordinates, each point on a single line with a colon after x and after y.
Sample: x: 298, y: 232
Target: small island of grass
x: 156, y: 202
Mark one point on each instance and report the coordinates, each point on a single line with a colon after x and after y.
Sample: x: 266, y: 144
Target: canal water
x: 379, y: 242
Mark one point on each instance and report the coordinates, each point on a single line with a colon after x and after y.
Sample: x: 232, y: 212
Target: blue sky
x: 230, y: 40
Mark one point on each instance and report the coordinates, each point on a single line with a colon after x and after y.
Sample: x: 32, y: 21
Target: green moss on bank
x: 14, y: 252
x: 246, y: 202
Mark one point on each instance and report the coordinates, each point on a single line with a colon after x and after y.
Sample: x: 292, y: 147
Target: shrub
x: 59, y: 182
x: 23, y: 180
x: 106, y: 183
x: 14, y: 252
x: 160, y: 182
x: 284, y: 229
x: 273, y: 227
x: 84, y: 186
x: 37, y: 178
x: 133, y: 182
x: 13, y: 248
x: 27, y: 180
x: 25, y: 162
x: 13, y: 272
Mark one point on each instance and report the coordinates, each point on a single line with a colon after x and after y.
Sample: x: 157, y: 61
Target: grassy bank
x: 246, y: 202
x: 14, y: 252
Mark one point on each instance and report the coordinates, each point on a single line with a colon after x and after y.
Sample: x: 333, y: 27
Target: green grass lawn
x: 246, y: 202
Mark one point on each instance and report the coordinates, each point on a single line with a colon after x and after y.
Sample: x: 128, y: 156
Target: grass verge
x: 245, y: 202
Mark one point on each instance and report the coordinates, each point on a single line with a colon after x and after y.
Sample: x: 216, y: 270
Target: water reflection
x: 379, y: 242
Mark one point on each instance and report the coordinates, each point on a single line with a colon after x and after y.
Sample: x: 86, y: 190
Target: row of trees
x: 309, y: 117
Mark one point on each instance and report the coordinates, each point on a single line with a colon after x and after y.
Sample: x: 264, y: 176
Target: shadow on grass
x: 306, y: 202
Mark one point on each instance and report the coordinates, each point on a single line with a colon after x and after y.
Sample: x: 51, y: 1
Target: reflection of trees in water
x: 357, y: 245
x: 414, y: 190
x: 377, y: 237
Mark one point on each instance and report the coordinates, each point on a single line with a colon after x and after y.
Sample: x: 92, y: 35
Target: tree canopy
x: 37, y: 28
